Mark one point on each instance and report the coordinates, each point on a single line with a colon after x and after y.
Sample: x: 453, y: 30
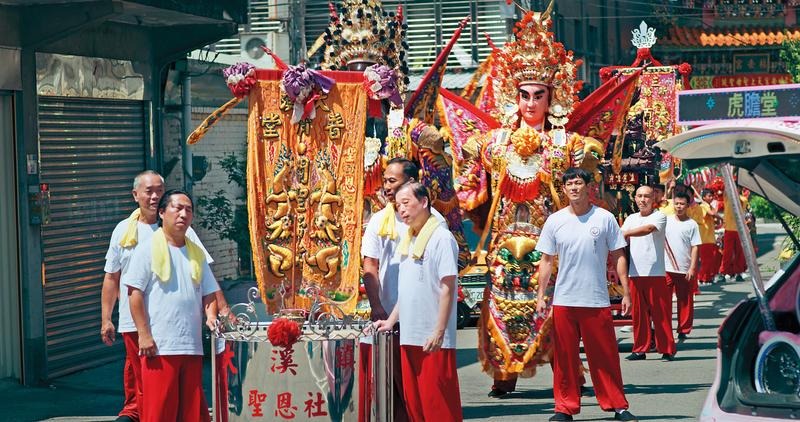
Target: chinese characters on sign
x: 698, y: 107
x: 283, y: 360
x: 314, y: 407
x: 752, y: 105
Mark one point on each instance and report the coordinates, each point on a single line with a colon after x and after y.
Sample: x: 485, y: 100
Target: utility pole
x: 297, y: 31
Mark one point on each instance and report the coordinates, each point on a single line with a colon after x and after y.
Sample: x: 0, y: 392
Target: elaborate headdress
x: 361, y: 31
x: 535, y: 58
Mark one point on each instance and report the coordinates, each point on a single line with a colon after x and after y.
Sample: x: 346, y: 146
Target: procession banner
x: 305, y: 192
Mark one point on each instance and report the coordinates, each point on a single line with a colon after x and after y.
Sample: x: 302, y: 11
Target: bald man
x: 650, y: 296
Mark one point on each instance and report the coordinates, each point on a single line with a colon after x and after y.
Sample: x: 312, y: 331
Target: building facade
x: 81, y: 98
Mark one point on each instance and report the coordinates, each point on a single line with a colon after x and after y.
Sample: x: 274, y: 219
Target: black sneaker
x: 496, y: 392
x: 560, y: 417
x: 586, y: 391
x: 682, y: 336
x: 636, y: 356
x: 625, y: 416
x: 668, y: 357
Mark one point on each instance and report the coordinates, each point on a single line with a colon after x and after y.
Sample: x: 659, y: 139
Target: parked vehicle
x: 758, y: 347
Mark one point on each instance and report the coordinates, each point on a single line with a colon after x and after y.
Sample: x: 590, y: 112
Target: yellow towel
x: 422, y: 239
x: 131, y: 235
x: 387, y: 225
x: 162, y: 265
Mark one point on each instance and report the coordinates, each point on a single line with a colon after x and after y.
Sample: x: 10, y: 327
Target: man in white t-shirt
x: 583, y: 236
x: 381, y: 269
x: 426, y: 310
x: 170, y: 287
x: 682, y: 244
x: 652, y: 300
x: 148, y: 186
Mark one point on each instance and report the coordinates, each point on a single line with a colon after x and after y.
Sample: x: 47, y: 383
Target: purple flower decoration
x: 381, y: 83
x: 298, y: 83
x: 241, y: 78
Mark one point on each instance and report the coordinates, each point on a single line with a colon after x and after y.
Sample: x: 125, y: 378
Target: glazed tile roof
x: 727, y: 37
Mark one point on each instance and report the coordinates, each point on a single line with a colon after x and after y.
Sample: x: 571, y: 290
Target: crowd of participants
x: 158, y: 270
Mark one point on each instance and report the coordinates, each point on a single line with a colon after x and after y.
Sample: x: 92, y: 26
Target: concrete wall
x: 227, y: 136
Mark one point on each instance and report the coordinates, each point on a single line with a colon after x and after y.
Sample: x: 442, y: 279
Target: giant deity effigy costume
x: 517, y: 168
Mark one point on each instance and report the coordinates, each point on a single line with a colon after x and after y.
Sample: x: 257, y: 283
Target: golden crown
x: 534, y: 57
x: 361, y: 31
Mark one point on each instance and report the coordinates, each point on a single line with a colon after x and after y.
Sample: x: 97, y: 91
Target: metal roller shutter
x: 90, y: 149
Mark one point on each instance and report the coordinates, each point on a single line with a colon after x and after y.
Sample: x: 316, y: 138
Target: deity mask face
x: 533, y: 101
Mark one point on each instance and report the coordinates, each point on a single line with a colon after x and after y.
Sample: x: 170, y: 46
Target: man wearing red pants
x: 582, y: 236
x: 381, y: 271
x: 170, y: 285
x: 681, y: 245
x: 148, y: 186
x: 705, y: 215
x: 733, y: 262
x: 652, y: 300
x: 426, y: 310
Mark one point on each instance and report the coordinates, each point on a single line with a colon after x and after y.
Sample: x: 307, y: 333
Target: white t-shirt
x: 383, y: 249
x: 582, y: 243
x: 647, y: 252
x: 419, y: 287
x: 681, y: 236
x: 117, y: 259
x: 174, y: 308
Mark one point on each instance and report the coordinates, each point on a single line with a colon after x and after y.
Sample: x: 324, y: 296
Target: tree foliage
x: 229, y: 218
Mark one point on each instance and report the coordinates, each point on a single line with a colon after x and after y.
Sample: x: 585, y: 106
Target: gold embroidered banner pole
x: 305, y: 192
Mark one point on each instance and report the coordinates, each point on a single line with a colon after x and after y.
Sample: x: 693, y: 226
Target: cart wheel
x: 462, y: 315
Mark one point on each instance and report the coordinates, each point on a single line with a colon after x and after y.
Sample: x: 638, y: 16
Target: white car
x: 758, y: 347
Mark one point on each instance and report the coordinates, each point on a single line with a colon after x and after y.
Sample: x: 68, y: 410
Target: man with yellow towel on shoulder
x: 170, y: 286
x: 148, y: 187
x: 426, y: 310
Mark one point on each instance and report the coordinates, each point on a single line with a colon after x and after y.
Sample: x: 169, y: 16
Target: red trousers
x: 430, y: 385
x: 131, y: 376
x: 365, y: 383
x: 596, y: 327
x: 652, y: 304
x: 684, y: 292
x: 172, y: 389
x: 733, y: 261
x: 709, y: 262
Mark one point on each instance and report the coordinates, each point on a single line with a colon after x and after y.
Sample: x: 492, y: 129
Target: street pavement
x: 656, y: 390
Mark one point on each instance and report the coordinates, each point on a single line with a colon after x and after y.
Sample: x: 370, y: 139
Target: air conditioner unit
x: 251, y: 51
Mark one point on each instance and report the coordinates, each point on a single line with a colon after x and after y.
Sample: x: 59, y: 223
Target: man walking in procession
x: 652, y: 300
x: 681, y: 245
x: 170, y: 285
x: 582, y: 236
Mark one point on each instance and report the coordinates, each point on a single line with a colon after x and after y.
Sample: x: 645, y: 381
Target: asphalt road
x: 656, y: 390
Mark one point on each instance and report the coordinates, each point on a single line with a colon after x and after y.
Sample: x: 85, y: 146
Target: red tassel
x: 373, y: 179
x: 518, y: 191
x: 374, y: 108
